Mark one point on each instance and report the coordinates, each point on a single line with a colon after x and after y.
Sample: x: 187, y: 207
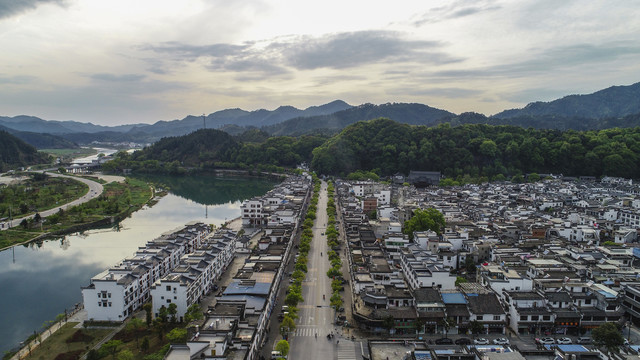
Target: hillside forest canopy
x: 386, y: 147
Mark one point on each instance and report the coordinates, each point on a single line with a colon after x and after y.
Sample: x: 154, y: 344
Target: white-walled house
x: 116, y: 293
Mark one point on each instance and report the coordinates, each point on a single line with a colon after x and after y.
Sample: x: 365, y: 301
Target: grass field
x: 57, y: 343
x: 79, y: 152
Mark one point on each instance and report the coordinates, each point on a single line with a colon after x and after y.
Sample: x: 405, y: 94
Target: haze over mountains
x: 617, y: 106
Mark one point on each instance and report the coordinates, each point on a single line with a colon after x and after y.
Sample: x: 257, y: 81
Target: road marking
x: 346, y: 351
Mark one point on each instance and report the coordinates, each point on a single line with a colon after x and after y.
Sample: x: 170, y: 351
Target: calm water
x: 45, y: 278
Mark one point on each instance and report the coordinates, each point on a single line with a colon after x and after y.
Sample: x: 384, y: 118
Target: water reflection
x: 46, y: 276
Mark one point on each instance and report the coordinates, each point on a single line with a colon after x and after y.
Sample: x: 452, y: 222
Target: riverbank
x: 76, y: 216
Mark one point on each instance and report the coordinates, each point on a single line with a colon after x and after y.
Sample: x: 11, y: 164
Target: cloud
x: 546, y: 60
x: 455, y: 10
x: 535, y: 94
x: 10, y: 8
x: 117, y: 78
x: 334, y: 51
x: 446, y: 92
x: 16, y: 80
x: 352, y: 49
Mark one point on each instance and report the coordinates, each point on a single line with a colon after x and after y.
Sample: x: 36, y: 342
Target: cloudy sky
x: 139, y: 61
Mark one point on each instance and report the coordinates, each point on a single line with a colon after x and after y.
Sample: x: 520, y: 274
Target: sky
x: 112, y: 62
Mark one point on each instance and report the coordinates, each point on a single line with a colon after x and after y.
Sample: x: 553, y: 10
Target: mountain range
x: 617, y: 106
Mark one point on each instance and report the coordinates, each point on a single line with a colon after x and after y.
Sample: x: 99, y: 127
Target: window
x: 99, y: 303
x: 479, y: 317
x: 546, y: 317
x: 587, y: 301
x: 168, y: 301
x: 496, y: 317
x: 523, y: 318
x: 168, y: 287
x: 534, y: 317
x: 109, y: 303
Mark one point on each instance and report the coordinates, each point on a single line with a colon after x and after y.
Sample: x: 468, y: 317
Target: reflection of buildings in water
x: 65, y: 243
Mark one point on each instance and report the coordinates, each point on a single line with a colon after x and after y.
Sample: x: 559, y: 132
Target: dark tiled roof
x: 485, y: 304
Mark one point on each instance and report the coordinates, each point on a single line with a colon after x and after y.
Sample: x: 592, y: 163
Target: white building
x: 116, y: 293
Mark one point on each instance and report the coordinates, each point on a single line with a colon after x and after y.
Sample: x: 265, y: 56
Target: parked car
x: 501, y: 341
x: 444, y: 341
x: 545, y: 341
x: 462, y: 341
x: 564, y: 341
x: 481, y: 341
x: 583, y: 340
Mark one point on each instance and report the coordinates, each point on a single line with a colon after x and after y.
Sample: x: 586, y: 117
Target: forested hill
x: 547, y: 121
x: 41, y: 141
x: 478, y: 150
x: 16, y: 153
x: 615, y: 101
x: 209, y: 149
x: 414, y: 114
x: 206, y: 145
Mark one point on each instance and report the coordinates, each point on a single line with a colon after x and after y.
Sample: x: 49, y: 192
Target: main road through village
x: 315, y: 314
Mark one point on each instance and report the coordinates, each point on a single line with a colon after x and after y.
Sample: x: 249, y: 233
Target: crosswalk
x: 346, y: 350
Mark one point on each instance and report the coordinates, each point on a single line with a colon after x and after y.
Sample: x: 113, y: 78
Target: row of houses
x: 116, y: 293
x: 548, y: 257
x: 235, y: 327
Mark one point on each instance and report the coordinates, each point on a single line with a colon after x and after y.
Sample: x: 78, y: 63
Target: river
x: 40, y: 280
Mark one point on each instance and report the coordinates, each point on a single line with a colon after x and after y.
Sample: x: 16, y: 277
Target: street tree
x: 608, y: 335
x: 476, y: 327
x: 283, y: 347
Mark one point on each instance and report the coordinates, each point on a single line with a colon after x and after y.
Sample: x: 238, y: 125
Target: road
x: 95, y: 189
x: 315, y: 315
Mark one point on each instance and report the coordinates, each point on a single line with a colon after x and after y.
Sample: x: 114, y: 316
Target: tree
x: 193, y: 313
x: 148, y: 308
x: 37, y: 217
x: 388, y: 322
x: 287, y: 325
x: 172, y: 310
x: 125, y: 355
x: 429, y: 219
x: 476, y: 327
x: 336, y: 300
x: 177, y: 336
x: 135, y: 326
x: 609, y: 336
x: 470, y: 265
x: 144, y: 347
x: 283, y: 347
x: 111, y: 347
x: 24, y: 223
x: 460, y: 280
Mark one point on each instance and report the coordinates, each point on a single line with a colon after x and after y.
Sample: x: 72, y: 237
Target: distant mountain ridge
x: 616, y: 106
x: 615, y: 101
x: 412, y: 114
x: 41, y: 140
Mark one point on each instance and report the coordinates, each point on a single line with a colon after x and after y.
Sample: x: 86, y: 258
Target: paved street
x: 316, y: 317
x: 95, y: 189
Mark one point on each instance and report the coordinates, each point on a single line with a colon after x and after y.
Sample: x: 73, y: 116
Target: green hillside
x: 15, y: 153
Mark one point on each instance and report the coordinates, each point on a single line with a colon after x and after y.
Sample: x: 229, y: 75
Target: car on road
x: 501, y: 341
x: 444, y: 341
x: 545, y: 341
x: 564, y: 341
x: 583, y: 340
x: 462, y: 341
x: 481, y: 341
